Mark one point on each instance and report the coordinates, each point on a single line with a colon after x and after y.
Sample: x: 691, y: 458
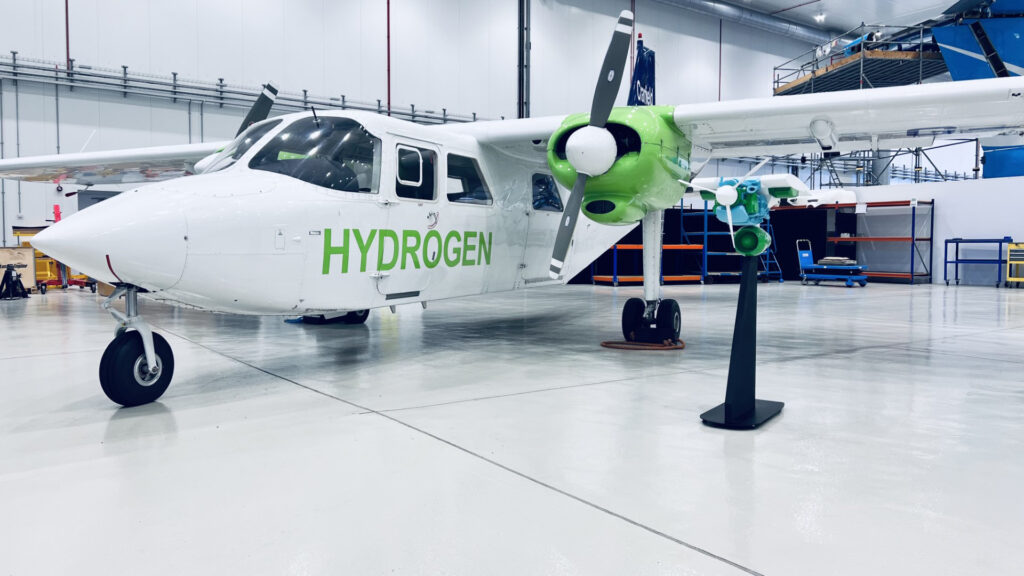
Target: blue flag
x: 641, y: 90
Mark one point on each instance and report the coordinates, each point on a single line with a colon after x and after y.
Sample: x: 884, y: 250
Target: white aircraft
x: 329, y: 214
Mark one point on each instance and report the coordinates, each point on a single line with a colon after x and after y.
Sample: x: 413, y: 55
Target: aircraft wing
x: 110, y: 167
x: 523, y: 138
x: 882, y: 118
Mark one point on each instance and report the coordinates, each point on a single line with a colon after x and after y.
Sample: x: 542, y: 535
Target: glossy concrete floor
x: 494, y: 436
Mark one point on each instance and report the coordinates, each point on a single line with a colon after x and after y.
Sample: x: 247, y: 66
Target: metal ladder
x: 768, y: 258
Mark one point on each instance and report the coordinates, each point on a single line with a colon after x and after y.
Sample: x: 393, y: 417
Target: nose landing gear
x: 651, y: 320
x: 137, y: 366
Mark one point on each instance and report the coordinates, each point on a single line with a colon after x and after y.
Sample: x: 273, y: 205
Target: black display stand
x: 741, y: 411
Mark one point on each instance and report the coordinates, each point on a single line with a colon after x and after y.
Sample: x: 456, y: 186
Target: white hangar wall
x: 454, y: 54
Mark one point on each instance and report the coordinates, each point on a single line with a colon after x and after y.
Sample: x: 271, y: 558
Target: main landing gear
x: 652, y: 320
x: 354, y: 317
x: 137, y: 366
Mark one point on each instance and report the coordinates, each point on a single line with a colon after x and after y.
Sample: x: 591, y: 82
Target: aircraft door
x: 406, y: 250
x: 545, y: 215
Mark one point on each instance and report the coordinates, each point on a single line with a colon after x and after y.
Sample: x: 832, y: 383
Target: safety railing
x: 866, y: 40
x: 174, y: 87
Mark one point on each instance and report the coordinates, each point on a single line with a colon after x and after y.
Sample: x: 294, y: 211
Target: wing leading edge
x: 110, y: 167
x: 882, y: 118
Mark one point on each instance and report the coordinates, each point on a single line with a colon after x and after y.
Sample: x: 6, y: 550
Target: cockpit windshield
x: 335, y: 153
x: 240, y: 145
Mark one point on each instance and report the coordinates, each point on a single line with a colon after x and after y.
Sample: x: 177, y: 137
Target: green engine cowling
x: 652, y: 156
x: 751, y: 240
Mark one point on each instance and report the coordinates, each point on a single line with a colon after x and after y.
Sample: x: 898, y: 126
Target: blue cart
x: 809, y: 271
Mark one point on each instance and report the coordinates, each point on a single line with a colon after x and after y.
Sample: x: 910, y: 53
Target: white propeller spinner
x: 591, y: 150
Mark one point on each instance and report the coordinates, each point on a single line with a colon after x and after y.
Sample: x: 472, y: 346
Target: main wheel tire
x: 356, y: 317
x: 668, y: 320
x: 632, y: 316
x: 124, y: 375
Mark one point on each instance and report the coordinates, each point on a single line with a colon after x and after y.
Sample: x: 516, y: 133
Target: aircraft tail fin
x: 641, y: 89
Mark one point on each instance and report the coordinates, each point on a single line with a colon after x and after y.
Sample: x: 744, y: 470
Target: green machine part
x: 653, y: 155
x: 751, y: 240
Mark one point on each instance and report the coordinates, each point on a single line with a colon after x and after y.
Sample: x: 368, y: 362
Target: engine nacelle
x: 651, y: 156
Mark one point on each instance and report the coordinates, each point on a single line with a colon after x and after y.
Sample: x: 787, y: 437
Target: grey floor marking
x: 495, y: 463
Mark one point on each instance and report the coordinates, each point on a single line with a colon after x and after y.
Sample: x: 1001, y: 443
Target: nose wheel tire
x: 632, y: 318
x: 356, y: 317
x: 668, y: 321
x: 125, y: 376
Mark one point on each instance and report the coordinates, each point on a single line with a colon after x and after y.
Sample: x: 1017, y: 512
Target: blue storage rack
x: 770, y: 269
x: 957, y: 260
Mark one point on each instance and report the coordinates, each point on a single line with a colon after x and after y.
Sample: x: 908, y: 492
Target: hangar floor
x: 494, y: 436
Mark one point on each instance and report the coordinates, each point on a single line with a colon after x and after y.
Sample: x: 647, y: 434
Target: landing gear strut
x: 652, y: 319
x: 137, y: 365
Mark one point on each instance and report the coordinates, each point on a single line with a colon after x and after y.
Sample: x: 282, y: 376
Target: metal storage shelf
x: 915, y: 241
x: 615, y: 278
x: 957, y: 260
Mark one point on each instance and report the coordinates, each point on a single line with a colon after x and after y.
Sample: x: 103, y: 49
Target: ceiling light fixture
x: 819, y: 17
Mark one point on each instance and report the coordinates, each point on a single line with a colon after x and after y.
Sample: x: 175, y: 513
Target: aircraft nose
x: 137, y: 237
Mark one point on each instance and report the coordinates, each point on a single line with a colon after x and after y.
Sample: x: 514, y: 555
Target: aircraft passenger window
x: 335, y: 153
x: 240, y: 145
x: 416, y: 173
x: 545, y: 193
x: 465, y: 182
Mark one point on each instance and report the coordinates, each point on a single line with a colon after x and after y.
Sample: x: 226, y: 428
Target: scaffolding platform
x: 878, y: 68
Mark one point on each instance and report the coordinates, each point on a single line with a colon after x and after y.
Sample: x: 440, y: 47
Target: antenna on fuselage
x: 315, y: 119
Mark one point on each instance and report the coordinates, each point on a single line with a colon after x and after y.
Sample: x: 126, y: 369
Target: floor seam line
x: 538, y: 391
x: 483, y: 458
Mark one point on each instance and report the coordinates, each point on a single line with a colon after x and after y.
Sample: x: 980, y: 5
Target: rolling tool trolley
x: 809, y: 271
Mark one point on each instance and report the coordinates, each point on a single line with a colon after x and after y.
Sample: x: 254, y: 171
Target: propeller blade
x: 611, y: 70
x: 571, y: 214
x: 732, y: 233
x: 260, y: 109
x: 696, y: 186
x: 756, y: 168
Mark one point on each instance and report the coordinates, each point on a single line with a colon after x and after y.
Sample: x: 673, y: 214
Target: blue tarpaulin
x: 641, y: 90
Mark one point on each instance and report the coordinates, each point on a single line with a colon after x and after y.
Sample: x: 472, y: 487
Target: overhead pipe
x: 754, y: 19
x: 3, y: 183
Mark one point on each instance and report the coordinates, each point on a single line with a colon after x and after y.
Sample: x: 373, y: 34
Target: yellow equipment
x: 1015, y: 262
x: 49, y: 272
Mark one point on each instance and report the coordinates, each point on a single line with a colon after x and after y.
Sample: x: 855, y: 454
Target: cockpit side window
x: 465, y: 182
x: 545, y: 193
x: 240, y: 145
x: 335, y: 153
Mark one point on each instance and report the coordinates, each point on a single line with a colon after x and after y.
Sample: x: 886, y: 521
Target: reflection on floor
x: 494, y: 436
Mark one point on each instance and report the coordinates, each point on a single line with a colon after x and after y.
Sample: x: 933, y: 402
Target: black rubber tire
x: 668, y: 320
x: 356, y: 317
x: 632, y: 317
x: 42, y: 288
x: 118, y: 370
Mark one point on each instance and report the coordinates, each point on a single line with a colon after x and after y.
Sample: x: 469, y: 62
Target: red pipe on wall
x: 67, y: 35
x: 389, y: 57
